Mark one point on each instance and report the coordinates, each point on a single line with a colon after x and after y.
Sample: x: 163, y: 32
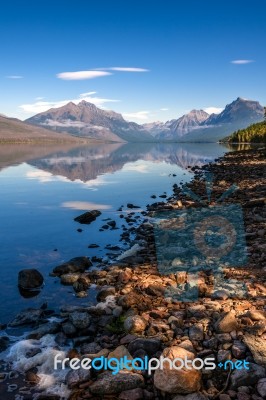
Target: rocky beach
x: 141, y: 312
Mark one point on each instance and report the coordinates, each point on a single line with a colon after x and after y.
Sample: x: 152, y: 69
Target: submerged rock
x: 30, y: 279
x: 25, y: 317
x: 77, y: 264
x: 88, y: 217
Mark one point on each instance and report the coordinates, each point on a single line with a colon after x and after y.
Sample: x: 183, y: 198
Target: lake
x: 43, y: 188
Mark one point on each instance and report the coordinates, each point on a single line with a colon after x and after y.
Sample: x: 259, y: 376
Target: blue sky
x: 149, y: 60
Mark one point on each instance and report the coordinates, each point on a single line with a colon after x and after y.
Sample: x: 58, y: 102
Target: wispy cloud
x: 14, y: 77
x: 139, y: 115
x: 41, y: 106
x: 213, y: 110
x: 241, y: 62
x: 164, y: 109
x: 127, y: 69
x: 81, y: 75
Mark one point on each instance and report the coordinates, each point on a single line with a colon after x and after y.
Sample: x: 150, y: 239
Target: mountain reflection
x: 87, y: 163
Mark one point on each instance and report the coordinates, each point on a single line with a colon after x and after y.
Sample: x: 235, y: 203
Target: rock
x: 104, y: 292
x: 44, y: 329
x: 4, y: 342
x: 196, y: 332
x: 257, y: 346
x: 81, y: 285
x: 133, y: 394
x: 227, y: 323
x: 120, y: 352
x: 248, y: 377
x: 69, y: 329
x: 261, y: 387
x: 220, y: 294
x: 243, y: 396
x: 256, y: 315
x: 135, y: 324
x: 90, y: 348
x: 69, y: 279
x: 88, y: 217
x: 77, y: 264
x: 30, y: 279
x: 150, y: 346
x: 76, y: 377
x: 32, y: 378
x: 107, y: 383
x: 130, y: 205
x: 239, y: 349
x: 182, y: 381
x: 80, y: 320
x: 29, y: 316
x: 192, y: 396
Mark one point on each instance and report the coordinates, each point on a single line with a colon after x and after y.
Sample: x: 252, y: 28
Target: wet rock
x: 30, y: 279
x: 133, y: 394
x: 227, y: 323
x: 69, y: 329
x: 32, y: 378
x: 107, y: 383
x: 81, y: 285
x: 247, y: 376
x: 77, y: 264
x: 257, y: 346
x: 76, y: 377
x: 130, y: 205
x: 45, y: 329
x: 4, y: 342
x: 69, y: 279
x: 80, y: 320
x: 88, y: 217
x: 29, y: 316
x: 150, y: 346
x: 261, y: 387
x: 104, y: 292
x: 135, y: 324
x: 182, y: 381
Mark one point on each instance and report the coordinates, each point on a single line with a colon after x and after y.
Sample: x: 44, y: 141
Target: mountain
x: 86, y: 120
x: 15, y: 131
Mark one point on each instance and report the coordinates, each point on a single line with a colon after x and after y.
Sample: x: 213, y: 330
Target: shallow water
x: 43, y: 189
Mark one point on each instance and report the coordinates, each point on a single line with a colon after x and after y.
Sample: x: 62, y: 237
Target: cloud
x: 127, y: 69
x: 241, y: 62
x: 41, y: 106
x: 164, y: 109
x: 213, y: 110
x: 142, y: 168
x: 81, y: 75
x: 139, y: 115
x: 14, y: 76
x: 85, y: 205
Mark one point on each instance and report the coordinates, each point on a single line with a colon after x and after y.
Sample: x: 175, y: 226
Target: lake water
x: 44, y: 188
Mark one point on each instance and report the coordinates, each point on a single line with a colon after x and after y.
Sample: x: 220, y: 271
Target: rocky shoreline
x: 133, y: 316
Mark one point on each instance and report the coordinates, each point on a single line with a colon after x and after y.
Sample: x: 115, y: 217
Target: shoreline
x: 135, y: 318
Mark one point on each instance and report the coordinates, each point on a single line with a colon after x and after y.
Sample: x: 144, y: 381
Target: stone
x: 150, y: 346
x: 90, y: 348
x: 243, y: 396
x: 192, y: 396
x: 135, y: 324
x: 76, y: 377
x: 181, y: 381
x: 261, y: 387
x: 256, y: 315
x: 133, y: 394
x: 44, y: 329
x: 88, y: 217
x: 196, y: 332
x: 104, y: 292
x: 77, y: 264
x: 248, y: 377
x: 120, y: 352
x: 4, y: 342
x: 80, y: 320
x: 26, y: 317
x: 69, y: 279
x: 227, y: 323
x: 107, y: 383
x: 69, y: 329
x: 220, y: 294
x: 257, y: 346
x: 30, y: 279
x: 239, y: 349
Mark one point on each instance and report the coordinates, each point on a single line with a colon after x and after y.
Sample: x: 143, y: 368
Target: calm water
x: 44, y: 189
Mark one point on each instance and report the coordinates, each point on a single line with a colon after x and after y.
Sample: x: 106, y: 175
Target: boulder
x: 77, y: 264
x: 227, y: 323
x: 180, y: 381
x: 30, y: 279
x: 135, y: 324
x: 107, y: 383
x: 88, y: 217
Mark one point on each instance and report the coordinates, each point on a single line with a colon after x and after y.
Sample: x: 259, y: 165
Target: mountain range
x: 85, y: 120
